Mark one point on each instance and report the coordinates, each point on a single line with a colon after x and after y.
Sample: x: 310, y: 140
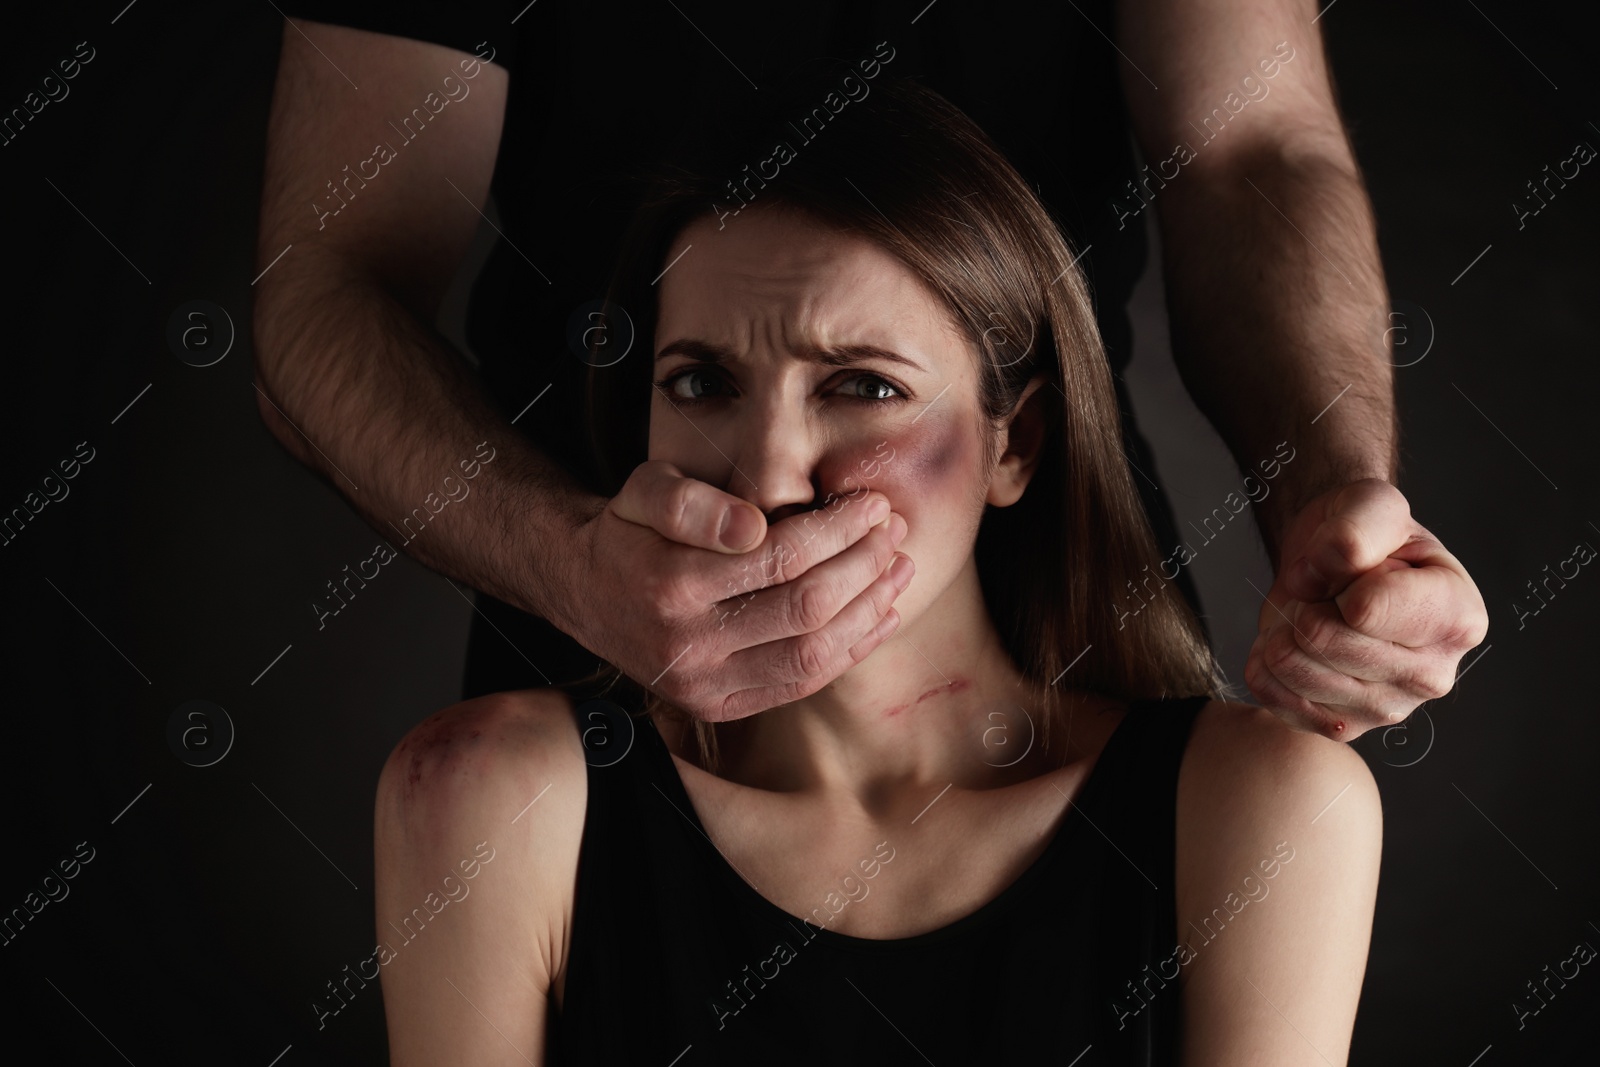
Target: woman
x: 1019, y: 827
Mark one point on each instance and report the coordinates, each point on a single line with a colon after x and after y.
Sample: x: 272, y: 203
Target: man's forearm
x: 386, y: 410
x: 1279, y: 313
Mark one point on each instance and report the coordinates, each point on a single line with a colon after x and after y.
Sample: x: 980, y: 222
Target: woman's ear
x: 1022, y: 439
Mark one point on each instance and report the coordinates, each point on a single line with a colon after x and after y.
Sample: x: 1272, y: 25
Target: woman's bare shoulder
x: 503, y: 768
x: 486, y: 752
x: 1279, y: 836
x: 478, y: 828
x: 1241, y: 757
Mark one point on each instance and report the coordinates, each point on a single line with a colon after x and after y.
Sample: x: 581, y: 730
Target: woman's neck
x: 938, y: 703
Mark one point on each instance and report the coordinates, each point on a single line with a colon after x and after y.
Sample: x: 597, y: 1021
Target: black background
x: 184, y: 559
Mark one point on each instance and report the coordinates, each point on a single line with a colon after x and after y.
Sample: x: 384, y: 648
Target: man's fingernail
x: 1308, y: 573
x: 897, y: 529
x: 901, y: 570
x: 740, y: 527
x: 878, y: 510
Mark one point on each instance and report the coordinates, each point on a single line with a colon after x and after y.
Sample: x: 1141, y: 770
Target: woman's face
x: 807, y: 364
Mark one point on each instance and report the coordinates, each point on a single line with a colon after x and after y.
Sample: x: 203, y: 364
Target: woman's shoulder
x: 481, y: 805
x: 505, y: 767
x: 489, y: 750
x: 1245, y: 758
x: 1251, y: 786
x: 1279, y: 835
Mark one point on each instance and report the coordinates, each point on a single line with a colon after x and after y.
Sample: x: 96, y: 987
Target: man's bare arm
x: 356, y: 383
x: 387, y: 407
x: 1279, y: 328
x: 1274, y: 284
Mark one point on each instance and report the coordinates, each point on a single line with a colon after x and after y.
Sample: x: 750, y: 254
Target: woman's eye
x: 683, y: 386
x: 696, y: 384
x: 870, y: 387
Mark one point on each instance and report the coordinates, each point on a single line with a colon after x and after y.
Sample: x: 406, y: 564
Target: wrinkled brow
x: 832, y: 355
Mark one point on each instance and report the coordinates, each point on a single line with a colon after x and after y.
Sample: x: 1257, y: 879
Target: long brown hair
x: 905, y: 168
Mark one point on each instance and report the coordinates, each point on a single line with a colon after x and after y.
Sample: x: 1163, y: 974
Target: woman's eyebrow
x: 831, y: 355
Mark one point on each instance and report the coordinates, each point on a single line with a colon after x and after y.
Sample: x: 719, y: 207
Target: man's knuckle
x: 650, y: 593
x: 882, y: 598
x: 812, y: 654
x: 1322, y: 631
x: 807, y: 607
x: 777, y: 564
x: 1276, y: 656
x: 675, y: 505
x: 1437, y: 684
x: 661, y: 592
x: 1466, y: 631
x: 862, y: 648
x: 1265, y: 683
x: 1294, y: 669
x: 1366, y: 609
x: 1345, y: 540
x: 1255, y: 672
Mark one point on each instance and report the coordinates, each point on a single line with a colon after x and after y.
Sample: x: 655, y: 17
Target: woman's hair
x: 904, y: 168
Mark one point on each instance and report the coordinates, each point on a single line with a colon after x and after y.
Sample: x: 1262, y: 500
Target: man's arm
x: 352, y: 378
x: 1274, y: 286
x: 356, y: 383
x: 1279, y: 317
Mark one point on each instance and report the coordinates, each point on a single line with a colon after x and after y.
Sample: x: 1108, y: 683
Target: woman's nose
x: 775, y: 465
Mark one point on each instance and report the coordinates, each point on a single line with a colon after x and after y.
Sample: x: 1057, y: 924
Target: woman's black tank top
x: 676, y: 961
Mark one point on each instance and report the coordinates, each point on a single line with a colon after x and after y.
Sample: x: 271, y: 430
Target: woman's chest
x: 916, y: 868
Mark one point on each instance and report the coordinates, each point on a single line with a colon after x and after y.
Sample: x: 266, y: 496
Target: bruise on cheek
x: 931, y: 453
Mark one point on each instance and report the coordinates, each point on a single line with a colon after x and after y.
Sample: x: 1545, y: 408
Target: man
x: 1273, y: 278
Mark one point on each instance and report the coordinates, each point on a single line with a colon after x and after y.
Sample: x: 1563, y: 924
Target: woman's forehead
x: 786, y: 280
